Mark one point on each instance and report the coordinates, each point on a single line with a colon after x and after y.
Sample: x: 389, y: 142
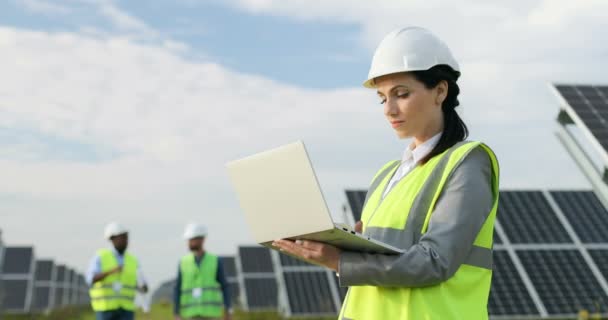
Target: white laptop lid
x: 279, y: 193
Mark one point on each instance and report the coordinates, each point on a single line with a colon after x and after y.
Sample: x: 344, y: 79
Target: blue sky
x: 128, y: 110
x: 277, y: 47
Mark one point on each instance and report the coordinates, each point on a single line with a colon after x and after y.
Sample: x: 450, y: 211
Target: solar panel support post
x: 335, y: 292
x: 283, y: 299
x: 584, y: 163
x: 577, y: 241
x: 30, y: 284
x: 53, y: 284
x: 521, y: 270
x: 241, y: 281
x: 1, y: 266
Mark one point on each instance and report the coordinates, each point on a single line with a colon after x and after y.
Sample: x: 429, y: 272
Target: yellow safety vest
x: 465, y: 294
x: 116, y: 291
x: 201, y: 294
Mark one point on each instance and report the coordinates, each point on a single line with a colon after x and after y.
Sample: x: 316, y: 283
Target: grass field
x: 165, y: 312
x: 158, y: 312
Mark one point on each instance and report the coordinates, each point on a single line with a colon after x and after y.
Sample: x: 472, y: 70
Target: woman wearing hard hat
x: 438, y: 203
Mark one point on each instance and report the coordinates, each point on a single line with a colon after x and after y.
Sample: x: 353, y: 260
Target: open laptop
x: 281, y: 198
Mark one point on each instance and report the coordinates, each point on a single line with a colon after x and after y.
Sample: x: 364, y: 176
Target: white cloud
x: 45, y: 7
x: 123, y: 20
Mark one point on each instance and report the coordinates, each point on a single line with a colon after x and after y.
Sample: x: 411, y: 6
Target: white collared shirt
x: 410, y: 160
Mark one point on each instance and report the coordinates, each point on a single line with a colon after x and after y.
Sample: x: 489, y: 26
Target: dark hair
x: 454, y: 129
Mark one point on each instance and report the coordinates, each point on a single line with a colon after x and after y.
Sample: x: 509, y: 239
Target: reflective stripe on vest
x: 201, y: 294
x: 116, y: 291
x: 400, y: 219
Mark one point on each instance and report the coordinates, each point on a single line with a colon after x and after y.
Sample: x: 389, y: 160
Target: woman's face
x: 411, y: 109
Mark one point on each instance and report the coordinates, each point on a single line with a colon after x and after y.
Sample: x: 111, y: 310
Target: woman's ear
x: 442, y: 92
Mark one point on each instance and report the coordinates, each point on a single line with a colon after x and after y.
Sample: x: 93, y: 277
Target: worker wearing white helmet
x: 438, y: 203
x: 201, y: 289
x: 114, y: 277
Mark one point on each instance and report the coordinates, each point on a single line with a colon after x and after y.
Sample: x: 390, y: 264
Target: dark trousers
x: 119, y: 314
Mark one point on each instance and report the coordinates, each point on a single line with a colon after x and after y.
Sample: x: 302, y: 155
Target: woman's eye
x: 403, y: 95
x: 382, y: 101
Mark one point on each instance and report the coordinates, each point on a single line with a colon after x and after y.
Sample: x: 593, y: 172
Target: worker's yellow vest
x: 201, y: 295
x: 116, y: 291
x: 465, y: 294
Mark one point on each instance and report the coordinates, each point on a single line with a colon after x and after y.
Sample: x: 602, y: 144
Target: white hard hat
x: 114, y: 229
x: 409, y: 49
x: 194, y: 230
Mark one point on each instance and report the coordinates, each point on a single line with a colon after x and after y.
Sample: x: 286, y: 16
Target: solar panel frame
x: 18, y: 269
x: 230, y: 271
x: 44, y: 279
x: 297, y: 294
x: 256, y: 277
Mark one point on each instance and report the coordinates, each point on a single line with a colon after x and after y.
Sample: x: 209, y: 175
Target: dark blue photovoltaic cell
x: 563, y: 280
x: 585, y: 213
x: 508, y: 295
x: 590, y: 103
x: 255, y: 259
x: 261, y: 293
x: 527, y: 217
x: 18, y: 260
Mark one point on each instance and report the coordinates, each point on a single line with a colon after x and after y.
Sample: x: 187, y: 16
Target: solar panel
x: 585, y: 213
x: 59, y: 296
x: 60, y: 273
x: 527, y: 217
x: 508, y: 295
x: 15, y: 294
x: 258, y: 280
x: 234, y: 292
x: 590, y: 104
x: 309, y: 293
x: 44, y: 270
x: 229, y: 266
x: 563, y: 280
x: 255, y: 259
x: 309, y: 289
x: 164, y: 292
x: 18, y: 260
x: 41, y: 298
x: 356, y: 199
x: 261, y: 293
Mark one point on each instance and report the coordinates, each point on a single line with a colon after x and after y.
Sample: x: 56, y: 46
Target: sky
x: 128, y: 110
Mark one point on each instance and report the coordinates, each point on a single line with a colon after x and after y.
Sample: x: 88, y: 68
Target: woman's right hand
x: 359, y: 226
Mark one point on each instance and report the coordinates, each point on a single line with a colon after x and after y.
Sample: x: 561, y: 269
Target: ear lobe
x: 442, y: 93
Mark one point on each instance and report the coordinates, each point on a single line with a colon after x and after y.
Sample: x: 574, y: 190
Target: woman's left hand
x: 316, y: 252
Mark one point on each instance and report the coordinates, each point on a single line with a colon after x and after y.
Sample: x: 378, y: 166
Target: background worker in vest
x: 114, y: 277
x: 201, y: 289
x: 438, y: 203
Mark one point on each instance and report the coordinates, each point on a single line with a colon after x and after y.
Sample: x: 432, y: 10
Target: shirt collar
x: 116, y: 253
x: 420, y: 151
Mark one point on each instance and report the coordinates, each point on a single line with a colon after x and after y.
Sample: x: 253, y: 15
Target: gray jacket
x: 461, y: 210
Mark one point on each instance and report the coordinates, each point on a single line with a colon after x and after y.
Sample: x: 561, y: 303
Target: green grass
x: 158, y: 312
x: 163, y: 311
